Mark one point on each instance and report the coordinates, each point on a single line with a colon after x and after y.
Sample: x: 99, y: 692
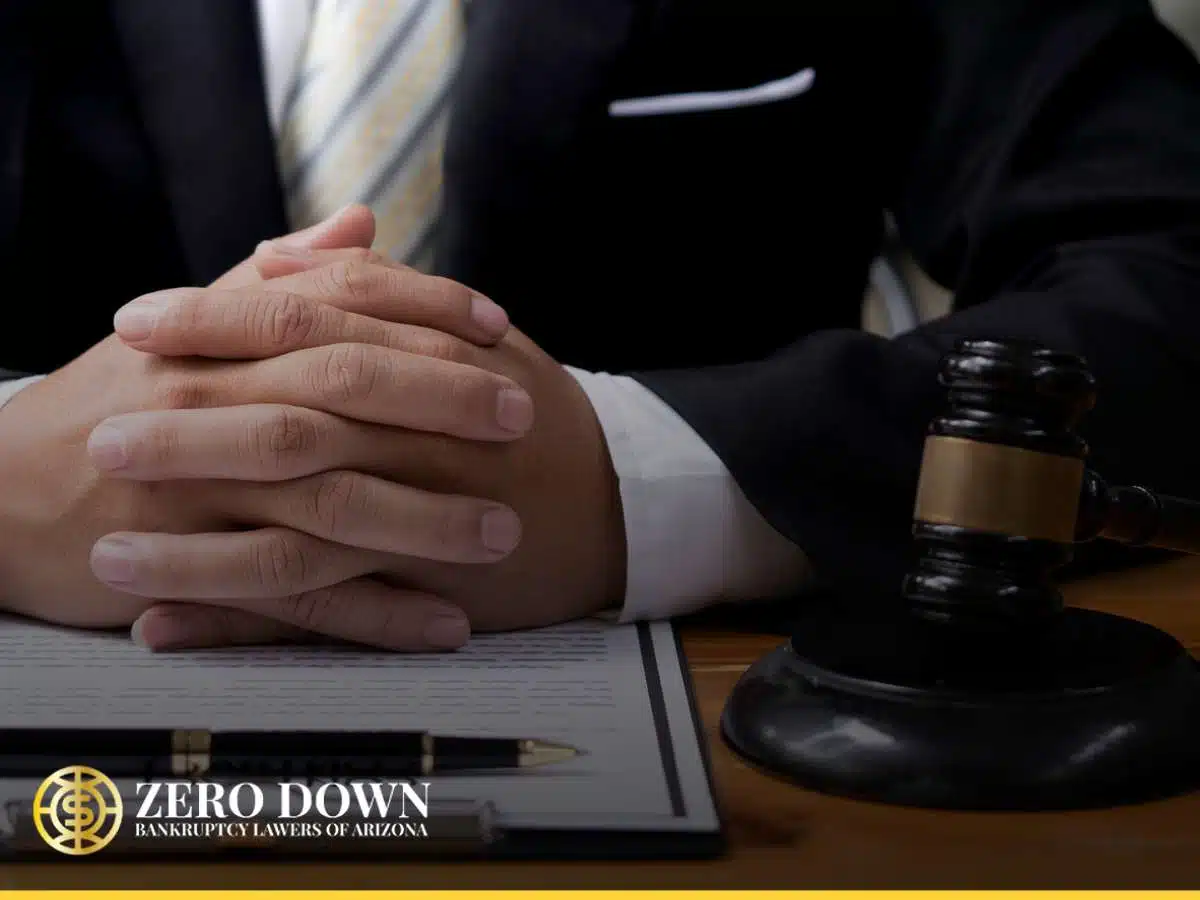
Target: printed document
x: 619, y: 693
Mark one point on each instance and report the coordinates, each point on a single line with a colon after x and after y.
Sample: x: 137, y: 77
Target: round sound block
x: 1092, y: 710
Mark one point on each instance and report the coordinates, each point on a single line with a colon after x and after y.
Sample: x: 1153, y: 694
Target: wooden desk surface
x: 783, y: 837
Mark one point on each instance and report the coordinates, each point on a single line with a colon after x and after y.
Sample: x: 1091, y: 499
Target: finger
x: 370, y: 513
x: 374, y: 384
x: 364, y: 282
x: 184, y: 626
x: 274, y: 260
x: 391, y: 308
x: 273, y: 442
x: 363, y: 611
x: 268, y: 562
x: 363, y: 383
x: 351, y: 226
x: 263, y: 442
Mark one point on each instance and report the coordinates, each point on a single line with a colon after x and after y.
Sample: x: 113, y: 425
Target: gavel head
x: 998, y: 494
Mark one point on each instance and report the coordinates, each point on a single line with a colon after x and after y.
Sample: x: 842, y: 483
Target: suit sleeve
x: 1053, y: 181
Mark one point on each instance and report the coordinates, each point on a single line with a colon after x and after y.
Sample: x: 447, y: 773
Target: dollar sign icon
x: 77, y: 810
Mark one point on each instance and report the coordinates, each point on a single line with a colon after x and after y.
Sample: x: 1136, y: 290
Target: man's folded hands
x: 323, y: 442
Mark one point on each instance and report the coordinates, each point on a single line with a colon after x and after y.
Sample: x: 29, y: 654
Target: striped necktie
x: 365, y: 119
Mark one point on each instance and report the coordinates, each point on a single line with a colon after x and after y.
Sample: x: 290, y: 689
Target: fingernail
x: 108, y: 448
x: 488, y: 316
x: 281, y: 248
x: 167, y: 630
x: 135, y: 321
x: 447, y: 632
x: 136, y: 633
x: 514, y: 410
x: 114, y: 560
x: 501, y: 530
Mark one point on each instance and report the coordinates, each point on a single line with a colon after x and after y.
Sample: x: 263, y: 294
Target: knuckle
x: 364, y: 256
x: 469, y: 392
x: 161, y: 445
x: 351, y: 372
x: 183, y: 392
x: 356, y: 279
x: 310, y: 609
x: 452, y: 297
x: 286, y: 439
x: 285, y: 320
x: 279, y: 563
x: 190, y: 314
x: 391, y: 624
x: 454, y: 533
x: 337, y: 496
x: 436, y: 345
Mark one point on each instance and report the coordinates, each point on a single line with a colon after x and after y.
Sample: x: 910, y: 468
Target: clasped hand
x: 334, y: 451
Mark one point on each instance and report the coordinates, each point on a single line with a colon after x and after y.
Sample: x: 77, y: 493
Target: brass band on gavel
x: 999, y: 489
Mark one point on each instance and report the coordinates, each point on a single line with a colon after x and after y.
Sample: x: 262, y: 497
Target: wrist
x: 32, y: 481
x: 606, y: 428
x: 605, y: 584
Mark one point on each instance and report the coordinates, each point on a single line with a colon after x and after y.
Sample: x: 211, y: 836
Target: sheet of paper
x: 618, y: 693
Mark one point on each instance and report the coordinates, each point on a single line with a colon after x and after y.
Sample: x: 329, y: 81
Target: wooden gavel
x: 1004, y: 492
x: 976, y: 687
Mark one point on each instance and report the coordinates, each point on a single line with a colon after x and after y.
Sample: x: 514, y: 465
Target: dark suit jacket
x: 1041, y: 158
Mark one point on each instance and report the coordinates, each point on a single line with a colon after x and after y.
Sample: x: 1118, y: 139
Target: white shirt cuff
x: 10, y: 389
x: 693, y: 539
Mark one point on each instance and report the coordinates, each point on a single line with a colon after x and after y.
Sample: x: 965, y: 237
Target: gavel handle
x: 1138, y: 517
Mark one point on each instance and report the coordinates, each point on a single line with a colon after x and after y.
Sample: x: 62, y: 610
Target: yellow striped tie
x: 365, y: 119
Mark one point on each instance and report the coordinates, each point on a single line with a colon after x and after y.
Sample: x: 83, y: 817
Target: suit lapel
x: 197, y: 72
x: 536, y: 76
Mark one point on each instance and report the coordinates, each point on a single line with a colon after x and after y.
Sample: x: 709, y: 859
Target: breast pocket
x: 694, y: 173
x: 776, y: 91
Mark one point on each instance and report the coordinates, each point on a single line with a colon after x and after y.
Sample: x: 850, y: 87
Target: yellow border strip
x: 598, y: 895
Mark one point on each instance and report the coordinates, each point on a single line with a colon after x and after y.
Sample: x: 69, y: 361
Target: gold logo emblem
x: 77, y: 810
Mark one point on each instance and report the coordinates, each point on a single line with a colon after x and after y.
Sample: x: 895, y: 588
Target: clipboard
x: 471, y: 829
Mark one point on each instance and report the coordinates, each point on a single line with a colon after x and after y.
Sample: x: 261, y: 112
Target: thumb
x: 350, y: 226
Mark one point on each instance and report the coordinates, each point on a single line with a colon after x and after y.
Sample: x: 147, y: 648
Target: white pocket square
x: 668, y: 104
